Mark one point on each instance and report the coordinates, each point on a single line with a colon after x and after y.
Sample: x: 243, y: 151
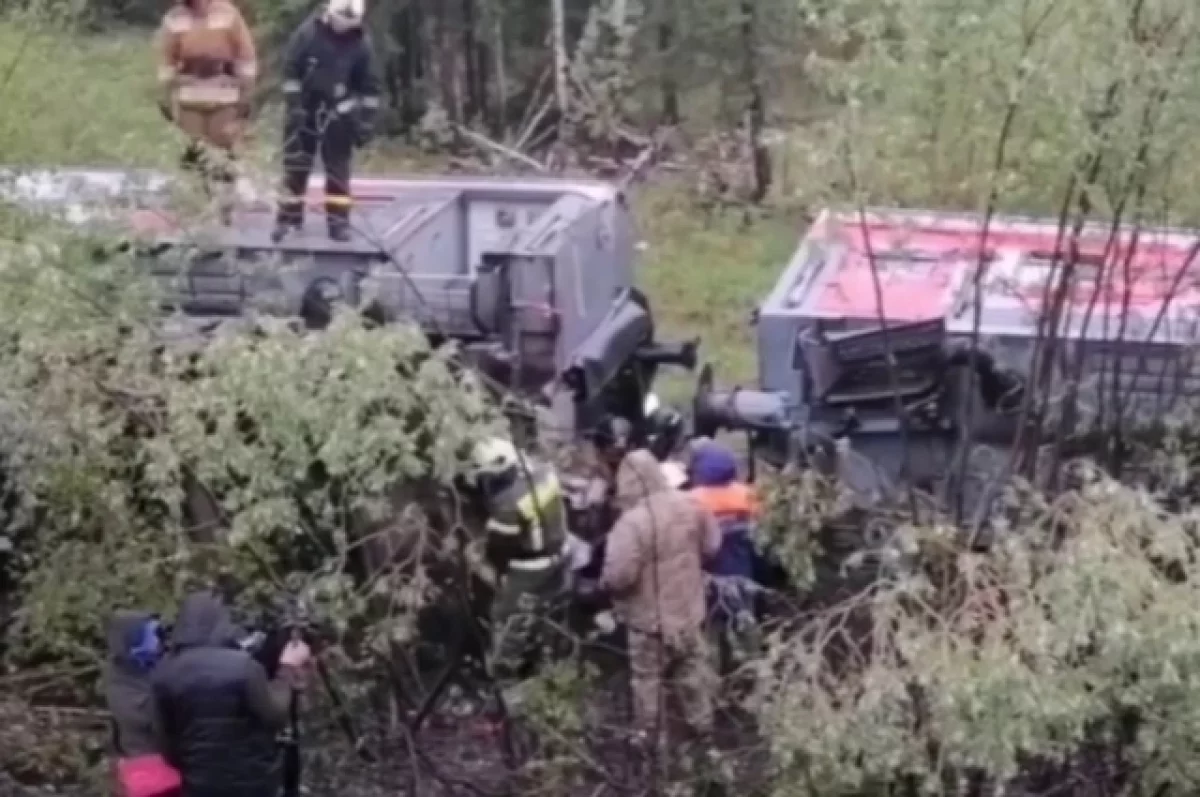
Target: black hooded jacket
x: 127, y: 689
x: 218, y: 711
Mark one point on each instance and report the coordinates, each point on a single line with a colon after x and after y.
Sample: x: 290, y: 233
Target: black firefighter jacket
x: 218, y: 712
x: 325, y: 68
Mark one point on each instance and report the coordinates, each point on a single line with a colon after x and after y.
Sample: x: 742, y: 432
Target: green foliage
x: 103, y: 434
x: 797, y: 508
x: 338, y: 420
x: 707, y: 276
x: 947, y: 105
x: 1031, y: 651
x: 89, y: 103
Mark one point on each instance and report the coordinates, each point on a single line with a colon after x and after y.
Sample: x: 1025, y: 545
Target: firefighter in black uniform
x: 332, y: 95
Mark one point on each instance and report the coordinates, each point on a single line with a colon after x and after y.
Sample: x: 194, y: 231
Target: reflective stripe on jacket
x: 207, y: 93
x: 336, y: 70
x: 530, y: 515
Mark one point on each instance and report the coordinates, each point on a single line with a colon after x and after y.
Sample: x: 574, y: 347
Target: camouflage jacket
x: 655, y: 555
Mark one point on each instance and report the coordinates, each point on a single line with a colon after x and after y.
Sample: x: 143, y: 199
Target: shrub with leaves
x: 1063, y: 661
x: 303, y: 448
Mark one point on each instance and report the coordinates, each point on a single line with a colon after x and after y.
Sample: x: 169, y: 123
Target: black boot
x: 284, y: 225
x: 339, y: 229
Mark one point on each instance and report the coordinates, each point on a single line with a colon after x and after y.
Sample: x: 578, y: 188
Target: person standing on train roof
x: 331, y: 90
x: 207, y: 69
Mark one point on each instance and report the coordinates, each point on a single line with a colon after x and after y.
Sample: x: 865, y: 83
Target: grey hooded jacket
x: 127, y: 689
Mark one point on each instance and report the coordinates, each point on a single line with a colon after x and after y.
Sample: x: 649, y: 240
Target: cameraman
x: 218, y: 710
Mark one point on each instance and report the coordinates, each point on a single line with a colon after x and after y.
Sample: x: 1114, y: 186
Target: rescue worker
x: 207, y: 68
x: 713, y: 475
x: 332, y: 94
x: 526, y: 540
x: 134, y: 648
x: 653, y: 569
x: 218, y: 712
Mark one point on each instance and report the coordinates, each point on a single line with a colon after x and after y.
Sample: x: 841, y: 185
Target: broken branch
x: 486, y: 143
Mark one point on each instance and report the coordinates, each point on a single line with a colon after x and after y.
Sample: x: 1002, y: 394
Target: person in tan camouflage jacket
x: 653, y: 570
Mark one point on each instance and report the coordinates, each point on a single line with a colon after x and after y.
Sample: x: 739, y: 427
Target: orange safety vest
x: 735, y: 501
x: 736, y: 509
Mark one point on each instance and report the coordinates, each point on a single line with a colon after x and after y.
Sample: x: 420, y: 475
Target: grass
x: 91, y: 101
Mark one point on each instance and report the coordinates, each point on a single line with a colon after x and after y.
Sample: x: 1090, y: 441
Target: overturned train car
x: 911, y: 336
x: 533, y: 277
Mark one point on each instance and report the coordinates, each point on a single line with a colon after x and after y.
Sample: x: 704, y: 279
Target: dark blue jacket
x: 713, y: 475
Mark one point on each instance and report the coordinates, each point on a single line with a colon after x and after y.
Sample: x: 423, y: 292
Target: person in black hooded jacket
x: 218, y: 711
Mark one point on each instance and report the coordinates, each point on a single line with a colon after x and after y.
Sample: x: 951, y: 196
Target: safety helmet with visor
x: 664, y: 427
x: 494, y: 458
x: 345, y: 15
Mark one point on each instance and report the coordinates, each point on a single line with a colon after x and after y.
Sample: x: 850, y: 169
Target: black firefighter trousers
x: 305, y: 132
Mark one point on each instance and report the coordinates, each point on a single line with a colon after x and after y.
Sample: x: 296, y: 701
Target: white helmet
x: 674, y: 473
x: 651, y: 405
x: 344, y: 15
x: 495, y: 456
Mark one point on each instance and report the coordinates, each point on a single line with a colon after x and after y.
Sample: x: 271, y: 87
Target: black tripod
x: 290, y: 744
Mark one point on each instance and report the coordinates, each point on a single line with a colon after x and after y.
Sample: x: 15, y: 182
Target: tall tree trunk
x: 558, y: 34
x: 483, y: 70
x: 756, y: 112
x: 473, y: 101
x: 445, y: 44
x: 666, y: 57
x: 499, y: 52
x: 406, y: 65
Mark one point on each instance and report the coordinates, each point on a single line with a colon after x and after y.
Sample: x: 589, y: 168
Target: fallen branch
x: 486, y: 143
x: 636, y: 139
x: 40, y: 677
x: 639, y: 166
x: 534, y: 96
x: 530, y: 128
x: 540, y: 139
x: 83, y: 716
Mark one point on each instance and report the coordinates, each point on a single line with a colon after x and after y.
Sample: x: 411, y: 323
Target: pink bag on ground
x: 148, y: 776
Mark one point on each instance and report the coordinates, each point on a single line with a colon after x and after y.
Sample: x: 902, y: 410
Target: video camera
x: 266, y: 638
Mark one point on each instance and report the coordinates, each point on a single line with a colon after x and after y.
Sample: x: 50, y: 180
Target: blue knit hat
x: 712, y: 465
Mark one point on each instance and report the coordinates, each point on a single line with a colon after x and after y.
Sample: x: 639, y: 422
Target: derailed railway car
x: 533, y: 277
x: 906, y: 336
